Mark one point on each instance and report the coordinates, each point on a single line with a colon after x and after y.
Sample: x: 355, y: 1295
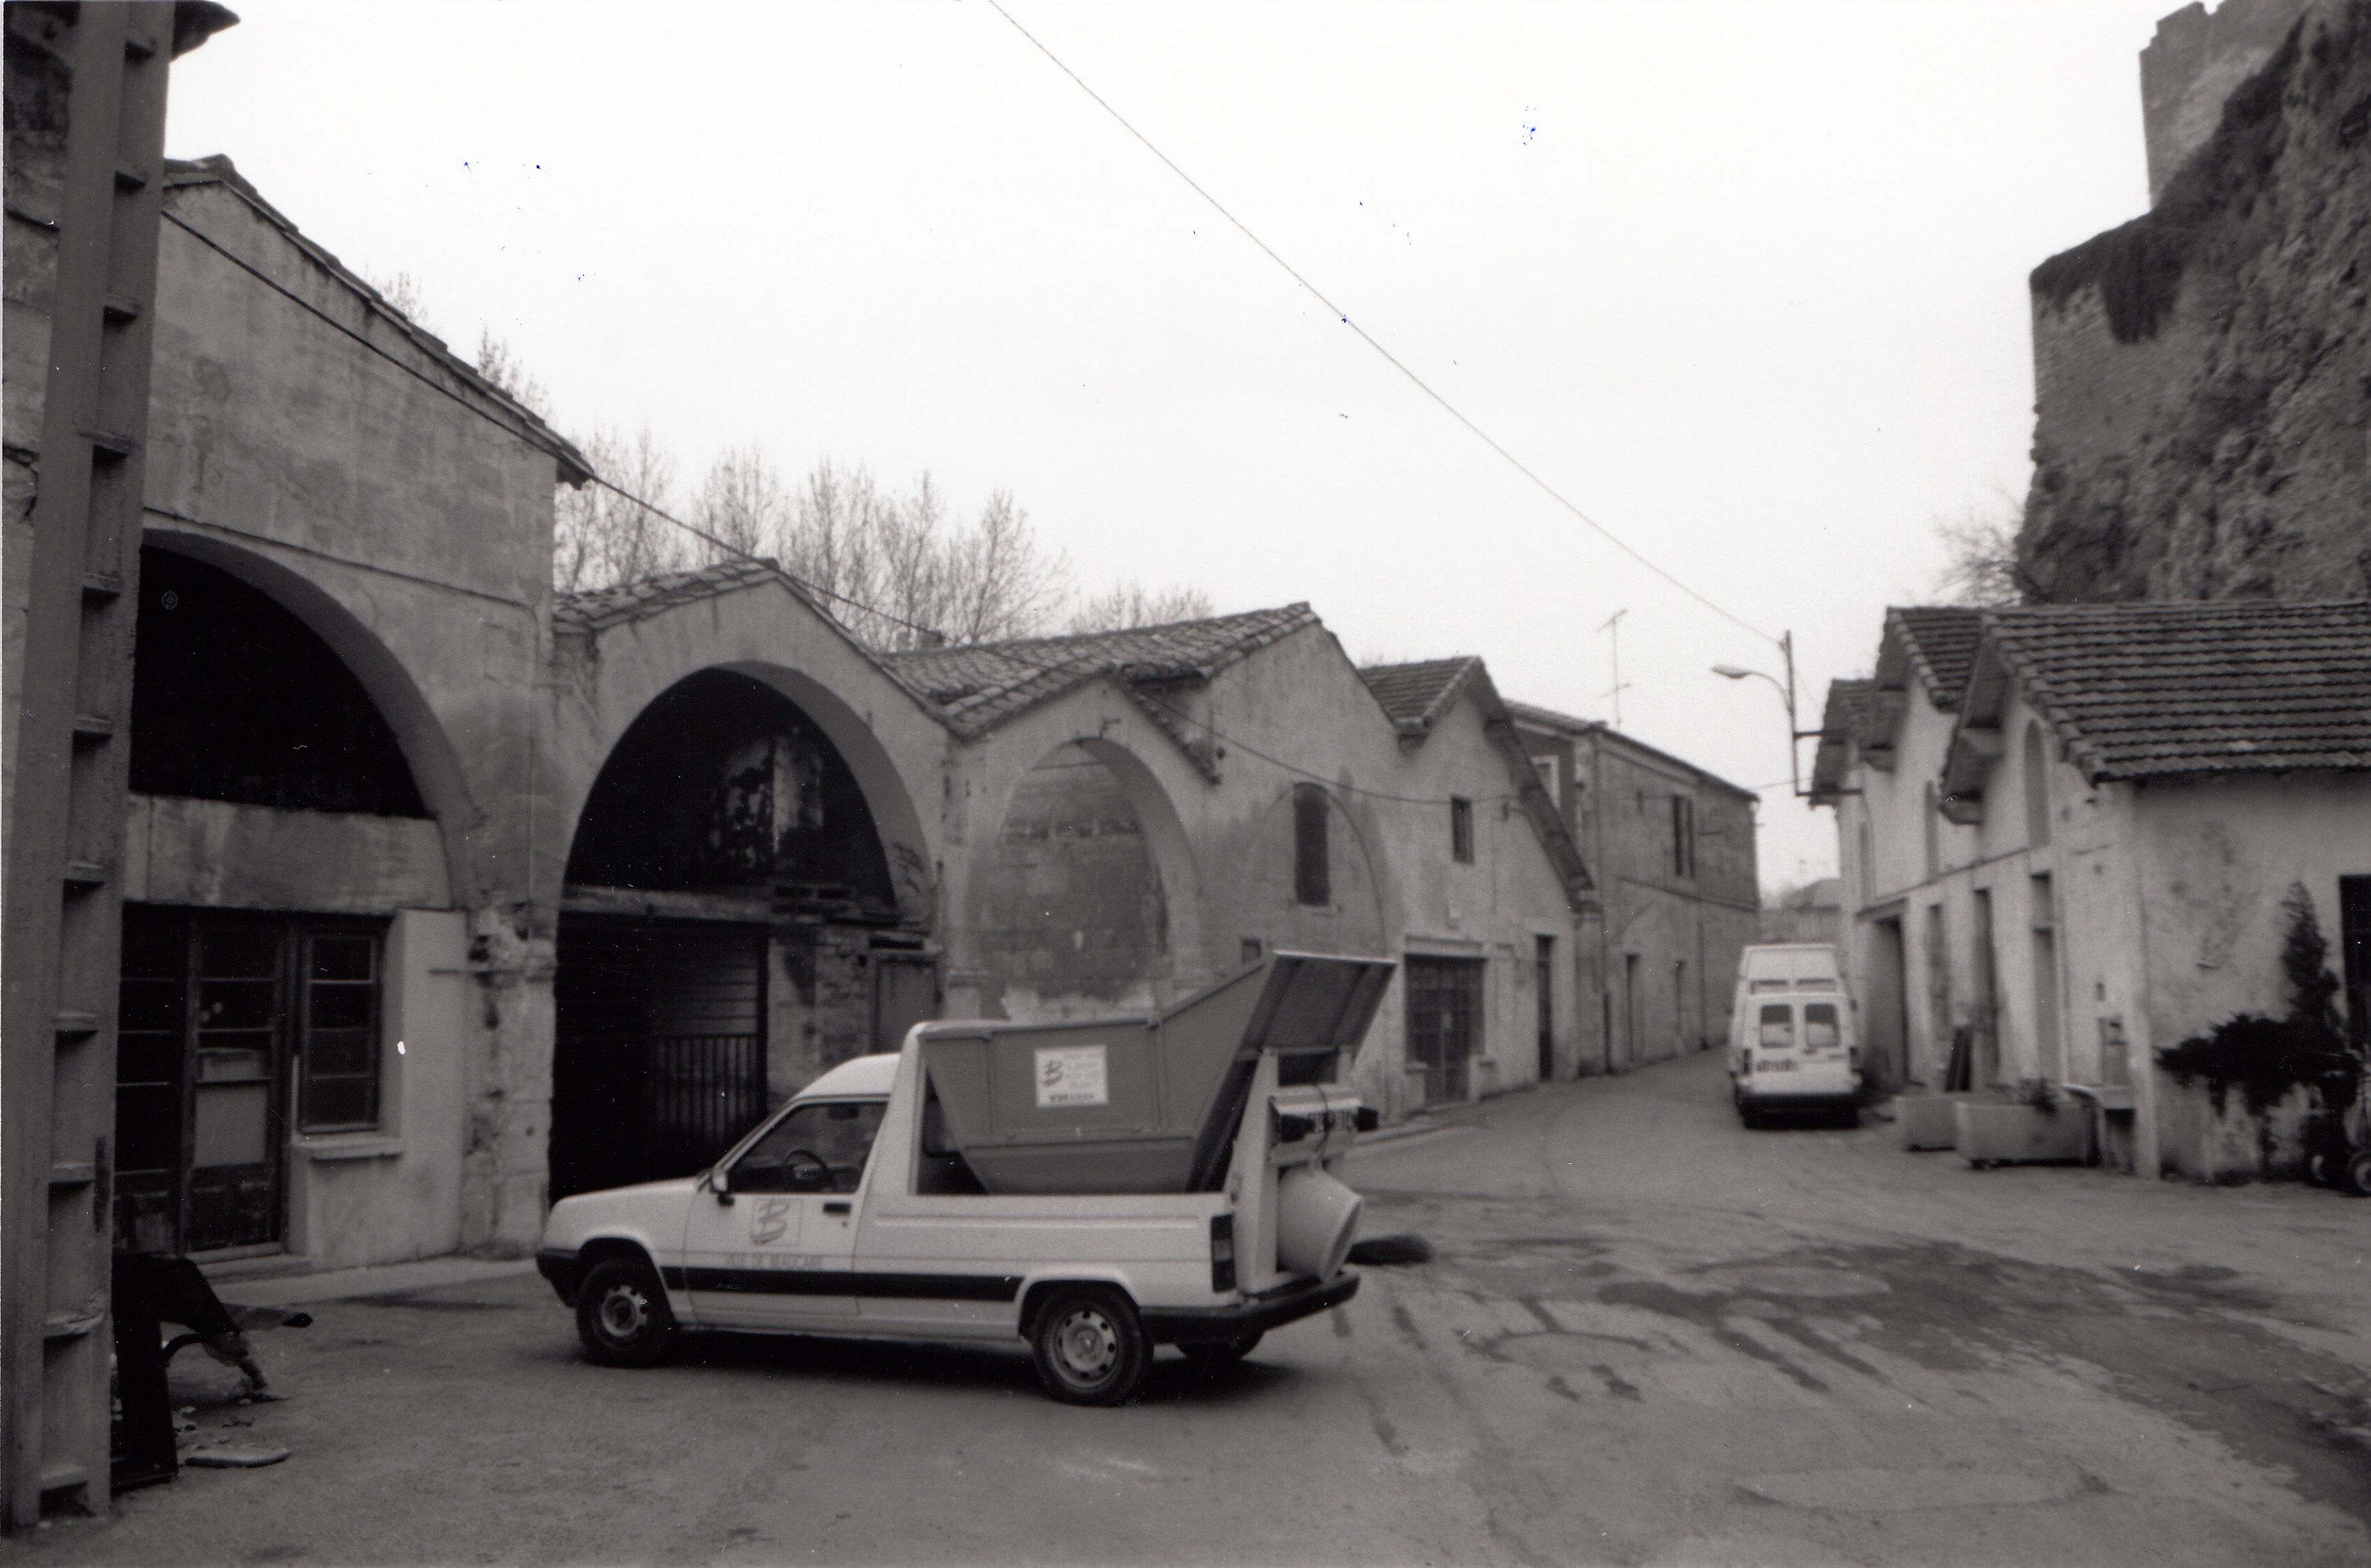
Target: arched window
x: 2036, y: 786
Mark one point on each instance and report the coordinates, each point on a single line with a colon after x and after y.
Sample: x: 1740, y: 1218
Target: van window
x: 1778, y: 1026
x: 1756, y: 987
x: 1817, y: 983
x: 830, y: 1135
x: 1820, y: 1024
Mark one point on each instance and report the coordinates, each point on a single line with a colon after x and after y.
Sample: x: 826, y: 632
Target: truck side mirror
x: 720, y: 1182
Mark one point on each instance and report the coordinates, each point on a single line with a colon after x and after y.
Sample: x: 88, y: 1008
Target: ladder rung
x: 73, y: 1173
x: 71, y: 1021
x: 72, y: 1325
x: 103, y: 584
x: 85, y: 873
x: 58, y: 1477
x: 93, y: 726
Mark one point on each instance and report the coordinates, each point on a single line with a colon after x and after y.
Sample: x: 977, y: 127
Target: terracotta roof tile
x: 2145, y: 690
x: 980, y: 685
x: 1415, y: 695
x: 1941, y: 642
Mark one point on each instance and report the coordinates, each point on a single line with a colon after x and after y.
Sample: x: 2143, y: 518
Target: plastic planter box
x: 2010, y: 1133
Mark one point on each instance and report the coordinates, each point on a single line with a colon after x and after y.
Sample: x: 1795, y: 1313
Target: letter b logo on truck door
x: 771, y: 1220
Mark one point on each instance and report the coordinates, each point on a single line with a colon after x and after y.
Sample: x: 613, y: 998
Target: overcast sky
x: 1744, y: 281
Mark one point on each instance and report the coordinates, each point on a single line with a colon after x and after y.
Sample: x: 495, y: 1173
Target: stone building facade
x: 2200, y: 411
x: 1673, y: 849
x: 2067, y: 832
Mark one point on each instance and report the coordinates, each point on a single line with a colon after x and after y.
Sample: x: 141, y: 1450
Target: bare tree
x: 401, y: 291
x: 600, y: 536
x: 1133, y: 605
x: 743, y: 502
x: 508, y: 373
x: 1981, y: 566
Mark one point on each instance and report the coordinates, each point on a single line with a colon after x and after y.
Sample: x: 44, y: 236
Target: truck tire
x: 1089, y: 1346
x: 622, y: 1316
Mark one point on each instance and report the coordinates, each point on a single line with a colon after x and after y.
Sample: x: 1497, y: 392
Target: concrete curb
x: 258, y: 1287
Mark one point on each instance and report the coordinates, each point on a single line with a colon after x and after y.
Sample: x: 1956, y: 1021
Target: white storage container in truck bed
x: 922, y: 1194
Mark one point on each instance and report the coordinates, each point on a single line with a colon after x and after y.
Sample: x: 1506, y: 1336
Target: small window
x: 1683, y: 837
x: 1816, y: 982
x: 1313, y: 880
x: 1819, y: 1030
x: 338, y: 1039
x: 1777, y: 1031
x: 1461, y: 828
x: 815, y: 1149
x: 1757, y: 988
x: 2037, y: 787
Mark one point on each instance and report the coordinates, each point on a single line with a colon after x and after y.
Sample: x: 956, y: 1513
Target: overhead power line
x: 1369, y: 339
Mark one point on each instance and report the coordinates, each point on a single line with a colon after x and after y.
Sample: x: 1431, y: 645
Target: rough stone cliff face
x: 2202, y: 374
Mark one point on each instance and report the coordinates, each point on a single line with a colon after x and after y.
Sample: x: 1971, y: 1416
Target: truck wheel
x: 1089, y: 1346
x: 622, y: 1315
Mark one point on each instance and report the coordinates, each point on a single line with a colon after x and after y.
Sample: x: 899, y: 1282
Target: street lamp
x: 1785, y: 690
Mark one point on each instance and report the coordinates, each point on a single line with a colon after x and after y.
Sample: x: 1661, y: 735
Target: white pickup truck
x: 882, y: 1201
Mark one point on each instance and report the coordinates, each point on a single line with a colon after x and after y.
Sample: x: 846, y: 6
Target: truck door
x: 779, y: 1255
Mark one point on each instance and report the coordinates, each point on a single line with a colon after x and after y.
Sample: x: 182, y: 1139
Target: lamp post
x: 1785, y: 690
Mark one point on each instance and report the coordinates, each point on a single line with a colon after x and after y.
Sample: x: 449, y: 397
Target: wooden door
x: 1444, y: 1023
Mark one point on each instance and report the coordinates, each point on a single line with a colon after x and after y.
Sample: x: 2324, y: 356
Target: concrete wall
x: 2213, y: 862
x: 412, y: 534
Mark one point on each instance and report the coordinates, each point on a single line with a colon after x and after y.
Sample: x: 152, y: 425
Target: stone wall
x: 2201, y: 390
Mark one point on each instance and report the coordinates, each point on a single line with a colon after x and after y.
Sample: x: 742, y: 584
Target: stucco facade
x: 1672, y: 848
x: 2060, y: 911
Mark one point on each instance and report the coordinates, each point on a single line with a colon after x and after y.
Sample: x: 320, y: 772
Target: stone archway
x: 730, y: 911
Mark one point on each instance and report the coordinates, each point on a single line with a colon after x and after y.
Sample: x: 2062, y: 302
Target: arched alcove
x: 731, y: 924
x: 1086, y: 900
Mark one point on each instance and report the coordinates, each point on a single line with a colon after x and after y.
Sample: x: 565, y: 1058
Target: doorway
x: 659, y: 1054
x: 1544, y: 976
x: 1444, y: 1023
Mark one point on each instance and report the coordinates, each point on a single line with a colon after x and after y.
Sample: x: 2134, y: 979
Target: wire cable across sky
x: 1369, y: 339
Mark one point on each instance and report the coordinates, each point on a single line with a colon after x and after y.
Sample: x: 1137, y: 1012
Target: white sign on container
x: 1072, y: 1075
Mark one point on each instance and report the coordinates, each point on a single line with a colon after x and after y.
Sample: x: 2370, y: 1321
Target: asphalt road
x: 1648, y: 1336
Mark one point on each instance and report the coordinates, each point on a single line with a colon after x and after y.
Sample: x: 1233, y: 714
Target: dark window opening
x: 1313, y: 880
x: 1683, y: 837
x: 723, y: 782
x: 234, y: 698
x: 1461, y: 828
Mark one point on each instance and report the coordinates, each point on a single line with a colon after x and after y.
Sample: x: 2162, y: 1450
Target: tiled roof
x: 1413, y: 696
x: 1842, y: 726
x: 1940, y: 641
x: 980, y: 685
x: 2148, y: 690
x: 602, y: 608
x: 529, y: 427
x: 1533, y: 716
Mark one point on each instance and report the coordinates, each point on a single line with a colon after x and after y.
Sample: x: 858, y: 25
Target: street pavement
x: 1648, y: 1336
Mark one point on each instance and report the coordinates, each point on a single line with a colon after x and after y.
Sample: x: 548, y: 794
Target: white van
x: 1794, y: 1043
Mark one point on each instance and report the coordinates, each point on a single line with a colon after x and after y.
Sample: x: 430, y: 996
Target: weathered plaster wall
x: 219, y: 855
x: 2201, y: 414
x: 373, y: 1197
x: 412, y: 534
x: 2213, y: 861
x: 818, y: 1004
x: 1073, y: 919
x: 2191, y: 66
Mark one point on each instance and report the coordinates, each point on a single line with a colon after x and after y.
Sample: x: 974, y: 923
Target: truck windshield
x: 1778, y: 1026
x: 831, y: 1137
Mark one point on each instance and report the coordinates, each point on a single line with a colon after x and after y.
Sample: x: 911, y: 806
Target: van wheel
x: 1089, y: 1346
x: 2358, y: 1172
x: 622, y: 1315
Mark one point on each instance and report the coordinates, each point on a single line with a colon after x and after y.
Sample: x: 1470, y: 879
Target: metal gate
x: 659, y: 1062
x: 1444, y: 1023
